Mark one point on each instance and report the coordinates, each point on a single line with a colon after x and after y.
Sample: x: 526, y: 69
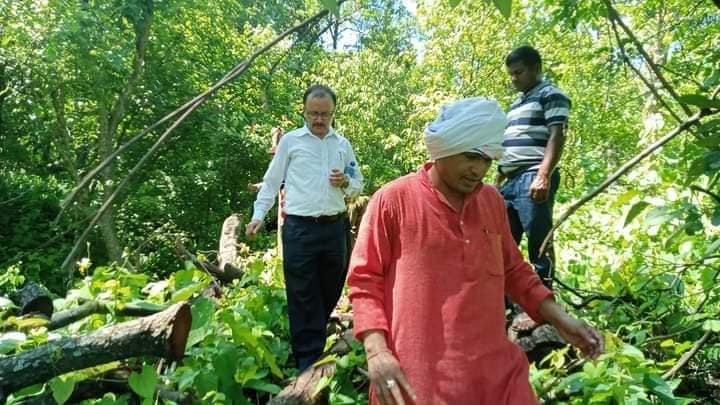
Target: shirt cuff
x: 368, y: 315
x: 535, y: 297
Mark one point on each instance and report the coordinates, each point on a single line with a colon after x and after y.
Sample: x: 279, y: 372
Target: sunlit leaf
x: 712, y: 325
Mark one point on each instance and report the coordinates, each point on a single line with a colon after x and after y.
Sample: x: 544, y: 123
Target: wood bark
x: 302, y: 390
x: 33, y: 297
x: 162, y: 335
x: 227, y: 252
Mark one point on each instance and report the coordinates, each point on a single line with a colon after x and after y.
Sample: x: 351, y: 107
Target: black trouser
x: 315, y: 266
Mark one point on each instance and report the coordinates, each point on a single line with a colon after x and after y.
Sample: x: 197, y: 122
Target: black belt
x: 321, y: 218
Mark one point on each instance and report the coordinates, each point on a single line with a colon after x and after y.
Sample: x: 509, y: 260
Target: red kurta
x: 434, y: 280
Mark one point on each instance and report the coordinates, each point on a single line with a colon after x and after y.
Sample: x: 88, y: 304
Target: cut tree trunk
x: 33, y: 298
x: 163, y: 334
x: 228, y: 245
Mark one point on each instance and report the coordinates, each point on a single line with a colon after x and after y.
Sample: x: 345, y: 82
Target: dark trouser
x: 314, y: 263
x: 532, y: 218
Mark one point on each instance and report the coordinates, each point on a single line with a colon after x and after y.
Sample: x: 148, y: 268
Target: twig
x: 639, y: 74
x: 708, y: 192
x: 17, y: 197
x: 687, y: 356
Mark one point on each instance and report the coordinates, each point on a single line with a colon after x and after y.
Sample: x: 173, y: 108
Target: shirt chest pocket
x: 306, y: 158
x: 490, y: 258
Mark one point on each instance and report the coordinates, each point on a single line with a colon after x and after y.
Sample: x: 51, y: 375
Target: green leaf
x: 321, y: 385
x: 710, y: 127
x: 454, y: 3
x: 712, y: 247
x: 61, y: 389
x: 711, y: 325
x: 331, y: 6
x: 634, y: 211
x: 715, y: 220
x: 263, y: 386
x: 505, y: 7
x: 709, y: 142
x: 707, y: 278
x: 144, y: 383
x: 659, y: 387
x: 699, y: 100
x: 624, y: 198
x: 202, y: 311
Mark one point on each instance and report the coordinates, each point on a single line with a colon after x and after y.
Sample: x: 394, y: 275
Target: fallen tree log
x: 68, y: 316
x: 163, y: 335
x: 33, y: 298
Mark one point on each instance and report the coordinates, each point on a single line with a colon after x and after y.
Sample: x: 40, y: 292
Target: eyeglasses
x: 323, y: 115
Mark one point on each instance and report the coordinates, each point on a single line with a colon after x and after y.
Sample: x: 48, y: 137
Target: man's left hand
x: 539, y: 188
x: 580, y: 335
x: 338, y: 179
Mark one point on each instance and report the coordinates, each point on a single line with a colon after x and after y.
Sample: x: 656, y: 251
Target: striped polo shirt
x: 527, y: 132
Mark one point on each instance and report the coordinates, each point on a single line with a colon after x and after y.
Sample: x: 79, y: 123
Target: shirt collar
x: 543, y: 83
x: 424, y: 176
x: 331, y: 131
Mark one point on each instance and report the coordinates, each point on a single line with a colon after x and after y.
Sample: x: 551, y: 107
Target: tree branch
x: 639, y: 74
x: 614, y: 15
x: 687, y: 356
x: 190, y: 105
x: 185, y: 110
x: 621, y: 171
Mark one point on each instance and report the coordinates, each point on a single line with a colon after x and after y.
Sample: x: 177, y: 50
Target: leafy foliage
x: 640, y: 261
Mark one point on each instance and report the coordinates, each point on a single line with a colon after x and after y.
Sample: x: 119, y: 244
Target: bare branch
x: 639, y: 74
x: 614, y: 15
x: 687, y: 356
x: 191, y: 106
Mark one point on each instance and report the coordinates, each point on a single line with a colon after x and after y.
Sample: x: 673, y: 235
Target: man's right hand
x: 253, y: 227
x: 384, y: 370
x: 388, y: 379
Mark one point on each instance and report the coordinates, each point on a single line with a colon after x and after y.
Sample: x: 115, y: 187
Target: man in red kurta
x: 431, y: 266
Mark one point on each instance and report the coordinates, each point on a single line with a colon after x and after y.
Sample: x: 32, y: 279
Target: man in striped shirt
x: 533, y: 145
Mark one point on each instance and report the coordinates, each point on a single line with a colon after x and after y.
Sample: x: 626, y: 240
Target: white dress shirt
x: 305, y: 162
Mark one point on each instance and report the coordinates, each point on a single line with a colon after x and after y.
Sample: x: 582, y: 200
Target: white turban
x: 471, y: 125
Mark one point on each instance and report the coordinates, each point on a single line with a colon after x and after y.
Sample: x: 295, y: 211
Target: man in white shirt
x: 319, y: 169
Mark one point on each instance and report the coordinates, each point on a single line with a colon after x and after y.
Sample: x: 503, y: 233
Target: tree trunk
x: 163, y: 335
x: 228, y: 244
x: 33, y: 298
